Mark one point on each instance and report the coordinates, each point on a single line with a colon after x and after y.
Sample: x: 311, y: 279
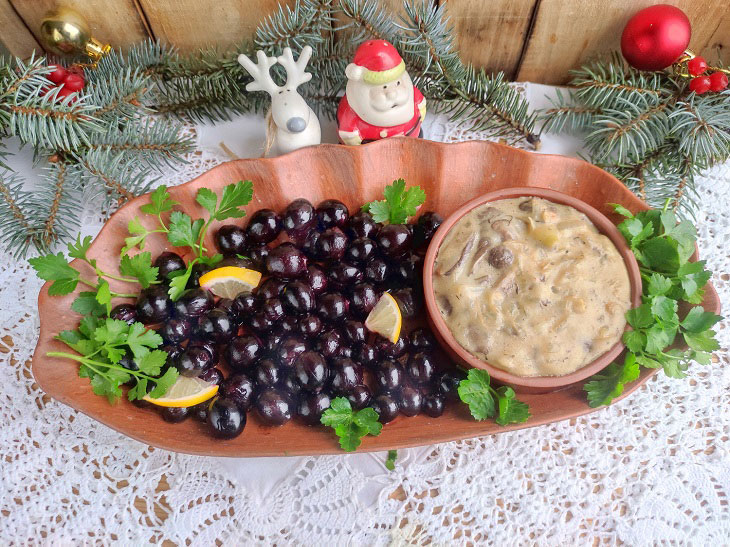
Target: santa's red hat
x: 376, y: 62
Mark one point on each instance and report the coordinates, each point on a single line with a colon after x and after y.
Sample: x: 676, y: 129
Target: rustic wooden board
x: 16, y: 37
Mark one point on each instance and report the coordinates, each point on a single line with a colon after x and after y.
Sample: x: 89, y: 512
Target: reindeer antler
x: 295, y: 75
x: 262, y: 80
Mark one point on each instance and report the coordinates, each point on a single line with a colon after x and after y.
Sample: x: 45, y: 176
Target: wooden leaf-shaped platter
x: 450, y: 174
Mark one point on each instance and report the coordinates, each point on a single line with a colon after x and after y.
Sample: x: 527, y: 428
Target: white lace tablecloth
x: 654, y: 468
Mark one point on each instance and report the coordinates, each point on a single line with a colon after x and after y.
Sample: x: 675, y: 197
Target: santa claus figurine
x: 380, y: 99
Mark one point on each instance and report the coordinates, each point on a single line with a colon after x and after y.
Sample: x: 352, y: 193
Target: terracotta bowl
x: 537, y: 384
x: 451, y: 174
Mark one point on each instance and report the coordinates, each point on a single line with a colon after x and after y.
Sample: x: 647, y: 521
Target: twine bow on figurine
x: 291, y: 123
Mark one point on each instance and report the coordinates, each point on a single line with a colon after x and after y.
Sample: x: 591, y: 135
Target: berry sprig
x: 702, y: 82
x: 68, y: 81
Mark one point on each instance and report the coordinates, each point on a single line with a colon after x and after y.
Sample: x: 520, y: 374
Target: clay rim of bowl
x: 604, y: 226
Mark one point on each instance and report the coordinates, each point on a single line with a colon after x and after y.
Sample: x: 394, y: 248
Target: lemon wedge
x: 185, y: 392
x: 230, y: 281
x: 385, y: 318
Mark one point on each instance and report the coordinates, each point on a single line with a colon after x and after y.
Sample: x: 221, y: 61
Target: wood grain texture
x: 115, y: 22
x: 451, y: 174
x: 567, y: 33
x: 192, y: 24
x: 15, y: 36
x: 491, y: 34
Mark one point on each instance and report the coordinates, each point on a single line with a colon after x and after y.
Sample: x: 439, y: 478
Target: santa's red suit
x: 349, y: 121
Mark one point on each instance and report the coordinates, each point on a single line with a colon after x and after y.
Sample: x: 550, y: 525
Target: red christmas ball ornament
x: 74, y: 82
x: 700, y: 85
x: 58, y: 75
x: 696, y: 66
x: 718, y: 81
x: 655, y: 37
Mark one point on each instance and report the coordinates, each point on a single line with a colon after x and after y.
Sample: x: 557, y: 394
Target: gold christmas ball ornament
x: 64, y: 31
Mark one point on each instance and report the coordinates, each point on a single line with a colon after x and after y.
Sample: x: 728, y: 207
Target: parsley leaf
x: 609, y: 384
x: 86, y: 304
x: 698, y: 320
x: 104, y: 296
x: 160, y: 202
x: 57, y: 269
x: 164, y: 383
x: 390, y: 461
x: 179, y: 280
x: 79, y: 248
x: 399, y: 203
x: 140, y: 339
x: 234, y: 196
x: 484, y: 401
x: 140, y: 267
x: 510, y: 410
x: 351, y: 426
x: 183, y: 232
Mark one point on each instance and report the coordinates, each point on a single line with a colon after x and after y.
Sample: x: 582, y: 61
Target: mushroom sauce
x: 531, y: 287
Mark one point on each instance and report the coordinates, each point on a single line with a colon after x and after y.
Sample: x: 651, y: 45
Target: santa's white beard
x: 358, y: 97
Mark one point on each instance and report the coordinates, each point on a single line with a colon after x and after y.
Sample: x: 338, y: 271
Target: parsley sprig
x: 484, y: 401
x: 398, y: 205
x: 662, y: 246
x: 350, y: 425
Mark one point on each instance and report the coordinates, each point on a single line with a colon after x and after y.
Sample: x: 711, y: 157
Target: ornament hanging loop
x: 65, y: 32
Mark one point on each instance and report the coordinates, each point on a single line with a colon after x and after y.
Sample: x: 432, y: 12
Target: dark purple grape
x: 345, y: 375
x: 239, y: 388
x: 331, y: 245
x: 176, y: 329
x: 408, y: 271
x: 200, y: 411
x: 127, y: 361
x: 289, y: 324
x: 329, y: 343
x: 311, y: 370
x: 422, y: 339
x: 308, y: 243
x: 367, y: 354
x: 331, y: 213
x: 272, y: 341
x: 448, y: 384
x: 196, y: 272
x: 410, y: 302
x: 286, y: 262
x: 263, y: 227
x: 207, y: 345
x: 386, y: 406
x: 260, y: 324
x: 342, y: 275
x: 359, y: 397
x: 175, y: 414
x: 290, y: 384
x: 267, y: 374
x: 410, y: 401
x: 389, y: 375
x: 433, y: 405
x: 153, y: 305
x: 310, y: 325
x: 194, y: 303
x: 226, y: 304
x: 215, y: 325
x: 258, y: 256
x: 361, y: 224
x: 390, y: 350
x: 394, y: 240
x: 425, y: 227
x: 421, y: 367
x: 364, y: 297
x: 271, y: 288
x: 273, y: 309
x: 124, y: 312
x: 360, y: 250
x: 244, y: 305
x: 212, y: 376
x: 316, y: 279
x: 172, y: 350
x: 354, y: 332
x: 225, y: 418
x: 376, y: 271
x: 332, y: 307
x: 312, y: 406
x: 237, y: 262
x: 193, y: 361
x: 231, y: 240
x: 167, y: 263
x: 346, y: 351
x: 298, y: 216
x: 242, y: 352
x: 274, y: 406
x: 298, y: 298
x: 289, y: 351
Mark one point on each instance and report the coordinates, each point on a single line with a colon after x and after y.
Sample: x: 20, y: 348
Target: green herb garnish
x: 484, y: 401
x: 390, y: 460
x: 398, y: 205
x: 351, y: 426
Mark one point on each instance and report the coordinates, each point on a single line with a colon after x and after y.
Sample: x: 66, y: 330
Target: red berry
x: 74, y: 82
x: 696, y: 66
x: 700, y: 85
x: 58, y: 75
x: 718, y: 81
x: 63, y: 93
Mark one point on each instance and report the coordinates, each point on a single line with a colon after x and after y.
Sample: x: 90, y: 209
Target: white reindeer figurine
x: 296, y: 124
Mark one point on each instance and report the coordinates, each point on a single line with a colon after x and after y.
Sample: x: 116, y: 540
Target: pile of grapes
x: 299, y: 339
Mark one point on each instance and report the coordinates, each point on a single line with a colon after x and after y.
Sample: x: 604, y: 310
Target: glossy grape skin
x: 226, y: 304
x: 331, y: 213
x: 288, y: 324
x: 290, y: 384
x: 286, y: 262
x: 342, y: 275
x: 408, y: 271
x: 274, y: 406
x: 167, y: 263
x: 259, y: 323
x: 208, y: 345
x: 196, y: 272
x: 331, y: 245
x: 153, y: 305
x: 298, y: 216
x: 289, y: 351
x: 345, y: 351
x: 410, y: 302
x: 194, y: 303
x: 389, y: 375
x: 310, y: 325
x: 421, y: 367
x: 127, y: 361
x: 309, y: 244
x: 298, y: 298
x: 363, y: 299
x: 244, y: 305
x: 242, y: 352
x: 215, y: 325
x: 367, y: 354
x: 264, y: 227
x: 311, y: 370
x: 433, y: 405
x: 124, y: 312
x: 361, y: 250
x: 175, y: 414
x: 422, y: 339
x: 272, y: 341
x: 376, y: 270
x: 316, y: 279
x: 312, y: 406
x: 361, y: 224
x: 273, y: 309
x: 345, y: 375
x: 332, y: 307
x: 386, y: 406
x: 212, y: 376
x: 271, y: 288
x: 425, y: 228
x: 258, y: 256
x: 394, y: 240
x: 231, y: 240
x: 354, y: 332
x: 237, y: 262
x: 410, y: 401
x: 225, y: 419
x: 176, y: 329
x: 200, y: 411
x: 193, y: 361
x: 390, y: 350
x: 172, y: 350
x: 239, y: 388
x: 448, y: 384
x: 359, y: 397
x: 267, y: 374
x: 329, y: 343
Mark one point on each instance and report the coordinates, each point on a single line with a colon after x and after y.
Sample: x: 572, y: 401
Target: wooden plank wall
x: 534, y: 40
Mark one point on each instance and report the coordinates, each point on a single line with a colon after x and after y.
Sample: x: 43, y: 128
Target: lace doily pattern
x: 654, y: 468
